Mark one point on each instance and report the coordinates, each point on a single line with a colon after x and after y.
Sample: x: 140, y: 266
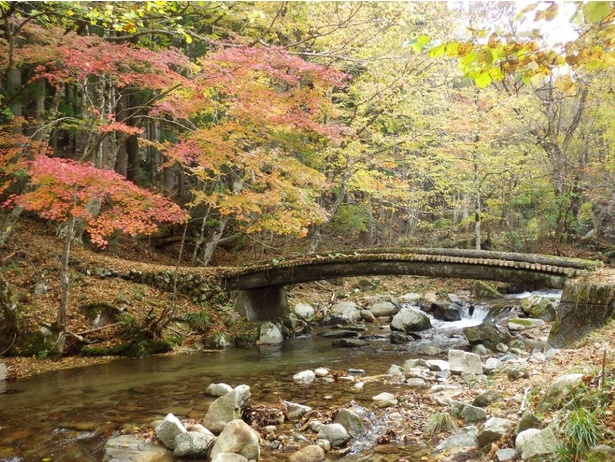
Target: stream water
x: 67, y: 415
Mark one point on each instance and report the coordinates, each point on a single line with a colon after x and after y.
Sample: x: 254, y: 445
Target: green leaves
x: 596, y: 11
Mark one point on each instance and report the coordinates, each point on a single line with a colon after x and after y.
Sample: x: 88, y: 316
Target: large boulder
x: 463, y: 361
x: 533, y: 442
x: 350, y: 421
x: 304, y: 311
x: 131, y: 448
x: 239, y: 438
x: 410, y: 320
x: 558, y: 391
x: 347, y: 311
x: 335, y: 433
x: 486, y: 333
x: 539, y: 307
x: 383, y: 308
x: 492, y: 430
x: 270, y: 334
x: 483, y: 289
x: 227, y: 408
x: 311, y: 453
x: 168, y: 429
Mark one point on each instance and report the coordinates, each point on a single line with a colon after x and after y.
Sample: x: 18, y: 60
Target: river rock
x: 239, y: 438
x: 533, y: 442
x: 335, y: 433
x: 491, y: 365
x: 296, y: 411
x: 483, y: 289
x: 410, y: 320
x: 463, y: 361
x: 506, y: 454
x: 539, y: 307
x: 349, y: 343
x: 168, y: 429
x: 226, y: 409
x: 385, y: 399
x: 524, y: 323
x: 3, y: 372
x: 217, y: 341
x: 131, y: 448
x: 382, y: 309
x: 347, y: 311
x: 229, y: 457
x: 350, y: 421
x: 429, y: 350
x: 311, y: 453
x: 340, y: 333
x: 304, y: 377
x: 270, y: 334
x: 304, y: 311
x: 467, y: 412
x: 486, y: 398
x: 558, y: 391
x: 446, y: 312
x: 437, y: 365
x: 526, y: 421
x: 218, y: 389
x: 464, y: 438
x: 192, y: 445
x: 411, y: 297
x: 367, y: 316
x: 486, y: 333
x: 492, y: 430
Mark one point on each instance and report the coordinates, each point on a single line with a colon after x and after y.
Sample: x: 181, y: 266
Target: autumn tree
x: 62, y: 190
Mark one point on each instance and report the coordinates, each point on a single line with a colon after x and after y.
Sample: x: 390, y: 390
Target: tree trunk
x: 65, y: 275
x: 210, y: 248
x: 9, y: 325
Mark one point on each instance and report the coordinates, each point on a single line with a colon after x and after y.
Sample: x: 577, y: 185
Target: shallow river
x: 68, y: 415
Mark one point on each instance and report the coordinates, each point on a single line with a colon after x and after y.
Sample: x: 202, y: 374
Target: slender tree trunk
x: 65, y: 275
x: 210, y: 248
x: 9, y: 325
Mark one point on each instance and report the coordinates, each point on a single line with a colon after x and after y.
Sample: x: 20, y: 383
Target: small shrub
x: 581, y: 432
x: 198, y: 321
x: 439, y: 422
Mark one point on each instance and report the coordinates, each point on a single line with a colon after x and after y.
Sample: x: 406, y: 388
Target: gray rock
x: 168, y: 429
x: 226, y: 409
x: 229, y: 457
x: 438, y: 365
x: 486, y: 398
x: 296, y: 411
x: 411, y: 297
x: 385, y: 399
x: 558, y: 391
x: 462, y: 361
x: 340, y: 333
x: 347, y: 311
x: 416, y: 382
x: 335, y: 433
x: 504, y: 455
x: 311, y: 453
x: 481, y: 350
x: 399, y: 338
x: 304, y: 377
x: 517, y: 372
x: 383, y: 309
x: 218, y: 389
x: 526, y: 421
x: 40, y: 289
x: 350, y: 421
x: 492, y: 364
x: 471, y: 414
x: 602, y: 452
x: 304, y: 311
x: 464, y: 438
x: 429, y: 350
x: 533, y: 442
x: 492, y: 430
x: 483, y: 289
x: 192, y: 445
x: 486, y: 333
x: 3, y: 371
x: 130, y: 448
x: 410, y: 320
x: 349, y: 343
x: 239, y: 438
x: 524, y: 323
x: 270, y: 334
x: 218, y: 341
x: 367, y: 316
x: 539, y: 307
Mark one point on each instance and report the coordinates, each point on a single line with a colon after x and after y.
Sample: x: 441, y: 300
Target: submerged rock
x: 131, y: 448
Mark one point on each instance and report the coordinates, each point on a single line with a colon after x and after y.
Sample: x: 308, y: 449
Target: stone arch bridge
x: 259, y: 291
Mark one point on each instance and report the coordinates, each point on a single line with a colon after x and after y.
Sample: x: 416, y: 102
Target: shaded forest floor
x: 31, y: 263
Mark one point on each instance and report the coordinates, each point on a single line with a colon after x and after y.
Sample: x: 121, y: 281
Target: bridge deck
x: 471, y: 264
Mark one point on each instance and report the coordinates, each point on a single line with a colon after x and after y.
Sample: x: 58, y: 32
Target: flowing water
x: 67, y: 415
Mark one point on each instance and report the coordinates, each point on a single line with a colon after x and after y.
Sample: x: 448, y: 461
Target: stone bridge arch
x: 259, y: 291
